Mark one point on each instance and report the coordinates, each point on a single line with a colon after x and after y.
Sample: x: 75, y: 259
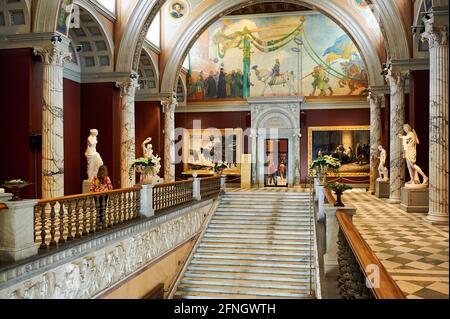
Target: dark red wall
x: 311, y: 118
x: 100, y: 109
x: 72, y: 130
x: 419, y: 113
x: 20, y: 108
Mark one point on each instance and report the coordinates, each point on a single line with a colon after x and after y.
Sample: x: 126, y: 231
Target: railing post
x: 332, y: 230
x: 17, y: 231
x: 146, y: 201
x: 196, y: 192
x: 223, y: 179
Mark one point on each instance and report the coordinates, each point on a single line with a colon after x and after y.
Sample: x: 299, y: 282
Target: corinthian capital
x: 435, y: 35
x: 129, y: 87
x: 169, y: 104
x: 53, y: 55
x: 375, y: 98
x: 396, y: 79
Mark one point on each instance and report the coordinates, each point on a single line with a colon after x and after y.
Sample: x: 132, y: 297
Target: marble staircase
x: 257, y: 245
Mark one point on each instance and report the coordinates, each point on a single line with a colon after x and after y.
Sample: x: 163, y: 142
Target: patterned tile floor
x: 415, y: 253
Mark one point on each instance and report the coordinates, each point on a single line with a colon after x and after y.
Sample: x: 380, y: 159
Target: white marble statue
x: 382, y: 169
x: 94, y: 160
x: 410, y: 141
x: 150, y: 177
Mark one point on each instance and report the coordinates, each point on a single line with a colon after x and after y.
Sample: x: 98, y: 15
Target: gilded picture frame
x: 350, y: 144
x: 202, y: 148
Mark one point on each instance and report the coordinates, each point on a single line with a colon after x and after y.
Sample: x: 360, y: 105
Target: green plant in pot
x: 324, y: 165
x: 338, y: 189
x: 220, y: 167
x: 144, y: 166
x: 15, y: 185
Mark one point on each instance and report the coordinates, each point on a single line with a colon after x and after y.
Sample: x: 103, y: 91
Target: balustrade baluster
x: 69, y: 221
x: 98, y: 222
x: 61, y: 214
x: 77, y: 219
x: 84, y: 217
x: 91, y: 215
x: 52, y: 225
x: 43, y: 233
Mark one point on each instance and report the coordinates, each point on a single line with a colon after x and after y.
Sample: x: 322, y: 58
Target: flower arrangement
x: 338, y: 189
x: 16, y: 182
x: 321, y: 166
x: 143, y: 165
x: 220, y: 167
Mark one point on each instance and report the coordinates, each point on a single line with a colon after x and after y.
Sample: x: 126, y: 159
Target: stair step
x: 246, y: 236
x: 226, y: 241
x: 252, y: 263
x: 210, y: 295
x: 246, y: 283
x: 230, y: 230
x: 259, y: 211
x: 224, y: 226
x: 259, y: 245
x: 247, y: 276
x: 253, y: 216
x: 257, y: 252
x: 242, y: 290
x: 202, y: 256
x: 249, y: 270
x: 261, y: 223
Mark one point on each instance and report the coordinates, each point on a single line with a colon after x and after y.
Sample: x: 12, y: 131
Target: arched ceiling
x: 15, y: 17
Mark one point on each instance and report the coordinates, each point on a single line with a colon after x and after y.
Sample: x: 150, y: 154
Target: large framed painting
x: 349, y: 144
x: 203, y: 148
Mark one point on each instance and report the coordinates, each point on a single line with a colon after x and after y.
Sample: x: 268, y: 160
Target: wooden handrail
x: 173, y: 183
x: 365, y: 257
x: 329, y: 196
x: 3, y: 206
x: 210, y: 177
x: 81, y: 196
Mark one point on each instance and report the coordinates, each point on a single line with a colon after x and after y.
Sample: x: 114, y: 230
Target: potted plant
x: 220, y: 167
x: 323, y: 165
x: 145, y: 166
x: 338, y: 189
x: 15, y: 185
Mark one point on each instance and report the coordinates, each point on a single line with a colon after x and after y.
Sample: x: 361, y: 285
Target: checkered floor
x: 414, y: 252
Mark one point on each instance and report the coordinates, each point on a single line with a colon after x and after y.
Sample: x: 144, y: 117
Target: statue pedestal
x: 382, y: 189
x: 415, y: 200
x: 86, y: 186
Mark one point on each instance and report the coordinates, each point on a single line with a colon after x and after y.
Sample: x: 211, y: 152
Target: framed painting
x: 349, y: 144
x: 203, y: 148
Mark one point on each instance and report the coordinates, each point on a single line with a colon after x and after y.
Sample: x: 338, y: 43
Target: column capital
x: 170, y: 103
x: 375, y: 97
x: 436, y: 35
x: 53, y: 54
x: 129, y: 87
x: 396, y: 78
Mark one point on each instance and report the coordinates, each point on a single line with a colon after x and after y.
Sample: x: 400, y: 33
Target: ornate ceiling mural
x: 282, y: 54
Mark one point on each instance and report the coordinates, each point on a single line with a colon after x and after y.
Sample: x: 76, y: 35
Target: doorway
x: 276, y: 172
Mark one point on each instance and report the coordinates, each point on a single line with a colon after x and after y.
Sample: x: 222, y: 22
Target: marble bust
x: 382, y: 169
x: 410, y: 142
x: 94, y: 160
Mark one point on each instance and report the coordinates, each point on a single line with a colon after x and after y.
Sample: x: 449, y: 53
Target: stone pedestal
x: 146, y: 209
x: 17, y: 231
x: 86, y: 186
x: 196, y: 192
x: 415, y: 200
x: 382, y: 189
x: 332, y: 230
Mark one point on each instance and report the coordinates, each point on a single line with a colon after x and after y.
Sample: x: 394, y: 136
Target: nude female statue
x: 382, y: 169
x: 410, y: 141
x: 94, y: 160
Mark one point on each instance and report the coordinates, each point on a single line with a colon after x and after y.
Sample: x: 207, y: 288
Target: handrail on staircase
x: 383, y: 285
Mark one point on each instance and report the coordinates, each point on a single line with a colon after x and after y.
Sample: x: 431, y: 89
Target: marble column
x: 375, y: 101
x: 437, y: 37
x: 254, y: 157
x: 396, y: 82
x: 169, y: 105
x: 53, y: 58
x: 128, y: 134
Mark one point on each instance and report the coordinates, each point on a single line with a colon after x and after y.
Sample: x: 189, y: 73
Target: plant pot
x: 339, y: 202
x: 15, y: 190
